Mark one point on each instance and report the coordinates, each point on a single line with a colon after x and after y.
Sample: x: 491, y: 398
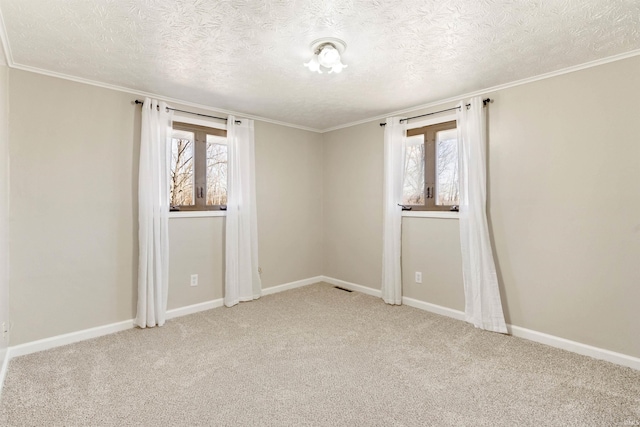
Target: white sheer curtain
x: 483, y: 307
x: 394, y: 140
x: 242, y: 279
x: 153, y: 213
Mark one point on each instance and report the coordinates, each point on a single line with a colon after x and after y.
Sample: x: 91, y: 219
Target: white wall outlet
x: 194, y: 280
x: 418, y: 277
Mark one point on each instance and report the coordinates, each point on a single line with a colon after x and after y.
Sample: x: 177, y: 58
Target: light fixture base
x: 327, y: 54
x: 317, y: 45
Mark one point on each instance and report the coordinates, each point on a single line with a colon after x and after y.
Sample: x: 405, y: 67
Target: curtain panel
x: 153, y: 213
x: 242, y: 278
x: 483, y: 307
x: 394, y: 140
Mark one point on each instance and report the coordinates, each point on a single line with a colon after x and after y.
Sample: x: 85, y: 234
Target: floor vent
x: 343, y: 289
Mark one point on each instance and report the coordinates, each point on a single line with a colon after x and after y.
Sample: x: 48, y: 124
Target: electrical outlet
x: 418, y: 277
x: 194, y: 280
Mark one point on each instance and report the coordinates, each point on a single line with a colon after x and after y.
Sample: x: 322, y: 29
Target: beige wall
x: 289, y: 200
x: 73, y: 239
x: 196, y: 247
x: 564, y: 203
x: 73, y: 216
x: 4, y: 208
x: 564, y: 192
x: 432, y: 247
x: 289, y: 197
x: 352, y: 219
x: 564, y: 197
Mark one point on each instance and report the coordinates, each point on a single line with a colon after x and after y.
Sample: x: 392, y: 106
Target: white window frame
x: 422, y: 123
x: 199, y: 121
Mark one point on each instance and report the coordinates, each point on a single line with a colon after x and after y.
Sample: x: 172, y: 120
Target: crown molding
x: 457, y: 98
x: 157, y: 96
x: 12, y: 64
x: 8, y: 58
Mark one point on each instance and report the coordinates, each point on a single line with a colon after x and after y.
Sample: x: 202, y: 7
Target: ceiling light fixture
x: 327, y: 54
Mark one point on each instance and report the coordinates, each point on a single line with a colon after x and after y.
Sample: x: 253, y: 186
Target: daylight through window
x: 431, y: 168
x: 198, y: 168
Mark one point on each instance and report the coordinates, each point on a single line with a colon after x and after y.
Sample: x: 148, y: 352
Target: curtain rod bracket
x: 137, y: 101
x: 484, y: 103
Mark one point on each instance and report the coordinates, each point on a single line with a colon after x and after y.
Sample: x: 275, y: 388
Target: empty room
x: 320, y: 212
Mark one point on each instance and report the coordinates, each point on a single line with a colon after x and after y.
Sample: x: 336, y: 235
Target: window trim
x: 189, y: 119
x: 432, y: 214
x: 206, y: 122
x: 199, y: 180
x: 431, y: 121
x: 196, y: 214
x: 451, y: 117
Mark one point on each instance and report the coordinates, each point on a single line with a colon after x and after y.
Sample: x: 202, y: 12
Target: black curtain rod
x: 191, y: 112
x: 484, y: 102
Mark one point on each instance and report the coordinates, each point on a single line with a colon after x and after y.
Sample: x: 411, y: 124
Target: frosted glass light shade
x: 327, y: 54
x: 313, y: 65
x: 337, y: 68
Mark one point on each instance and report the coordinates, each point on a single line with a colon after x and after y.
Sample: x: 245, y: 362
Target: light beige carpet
x: 316, y: 356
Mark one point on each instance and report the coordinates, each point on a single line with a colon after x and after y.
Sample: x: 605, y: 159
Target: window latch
x: 404, y: 207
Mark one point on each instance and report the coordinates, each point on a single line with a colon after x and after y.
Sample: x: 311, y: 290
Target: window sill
x: 196, y: 214
x: 431, y: 214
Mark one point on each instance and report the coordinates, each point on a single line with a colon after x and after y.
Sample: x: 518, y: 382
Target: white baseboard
x: 516, y: 331
x: 195, y: 308
x: 70, y: 338
x: 73, y: 337
x: 352, y: 286
x: 291, y: 285
x: 98, y: 331
x: 5, y: 367
x: 433, y: 308
x: 575, y: 347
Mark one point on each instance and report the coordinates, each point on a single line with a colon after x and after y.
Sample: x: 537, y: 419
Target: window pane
x: 182, y: 168
x: 413, y: 188
x: 447, y: 187
x: 216, y: 170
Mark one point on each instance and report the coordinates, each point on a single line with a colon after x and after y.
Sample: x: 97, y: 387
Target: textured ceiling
x: 247, y: 55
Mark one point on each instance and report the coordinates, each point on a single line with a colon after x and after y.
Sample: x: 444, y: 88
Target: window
x: 198, y: 168
x: 431, y: 168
